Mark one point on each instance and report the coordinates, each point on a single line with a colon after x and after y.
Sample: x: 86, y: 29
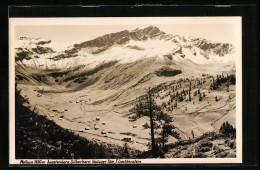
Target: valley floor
x: 87, y: 113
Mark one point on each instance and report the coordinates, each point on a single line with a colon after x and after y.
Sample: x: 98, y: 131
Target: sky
x: 76, y: 33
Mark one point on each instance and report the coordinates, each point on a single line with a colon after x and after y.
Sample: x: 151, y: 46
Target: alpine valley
x: 98, y: 89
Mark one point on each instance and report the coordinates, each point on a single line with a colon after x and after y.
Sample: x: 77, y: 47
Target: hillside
x: 98, y: 88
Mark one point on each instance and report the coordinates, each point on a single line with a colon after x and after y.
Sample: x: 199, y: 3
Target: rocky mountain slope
x: 124, y: 46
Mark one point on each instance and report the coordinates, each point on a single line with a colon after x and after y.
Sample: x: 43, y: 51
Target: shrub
x: 232, y: 144
x: 217, y: 150
x: 205, y: 143
x: 188, y: 155
x: 146, y: 126
x: 222, y: 155
x: 227, y: 130
x: 200, y: 155
x: 204, y: 149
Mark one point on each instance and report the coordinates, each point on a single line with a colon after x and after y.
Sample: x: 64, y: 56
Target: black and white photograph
x: 125, y: 90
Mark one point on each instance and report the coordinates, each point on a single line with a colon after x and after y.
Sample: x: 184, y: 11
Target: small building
x: 77, y: 101
x: 60, y: 118
x: 126, y: 139
x: 103, y: 132
x: 81, y: 130
x: 86, y: 128
x: 66, y: 109
x: 135, y: 126
x: 97, y: 118
x: 103, y: 123
x: 96, y: 127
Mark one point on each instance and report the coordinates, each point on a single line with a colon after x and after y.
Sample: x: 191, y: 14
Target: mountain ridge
x: 140, y: 43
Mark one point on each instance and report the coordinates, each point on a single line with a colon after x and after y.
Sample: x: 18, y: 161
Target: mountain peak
x: 149, y: 32
x: 121, y: 37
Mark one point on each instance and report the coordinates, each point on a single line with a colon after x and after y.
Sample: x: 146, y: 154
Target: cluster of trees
x: 23, y: 54
x: 227, y: 130
x: 200, y: 95
x: 148, y: 107
x: 220, y: 79
x: 166, y: 131
x: 171, y: 89
x: 169, y: 85
x: 37, y: 137
x: 167, y: 71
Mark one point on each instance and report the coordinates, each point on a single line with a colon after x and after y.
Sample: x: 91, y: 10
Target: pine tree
x: 200, y: 97
x: 227, y: 88
x: 168, y: 130
x: 151, y: 122
x: 228, y: 130
x: 100, y: 153
x: 125, y: 153
x: 175, y: 104
x: 192, y: 133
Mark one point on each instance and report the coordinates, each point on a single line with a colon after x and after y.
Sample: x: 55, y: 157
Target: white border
x: 237, y: 21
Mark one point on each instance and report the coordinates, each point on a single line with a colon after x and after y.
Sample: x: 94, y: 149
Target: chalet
x: 39, y: 95
x: 103, y: 132
x: 126, y: 139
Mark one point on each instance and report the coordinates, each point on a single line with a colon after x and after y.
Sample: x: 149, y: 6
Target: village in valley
x: 158, y: 106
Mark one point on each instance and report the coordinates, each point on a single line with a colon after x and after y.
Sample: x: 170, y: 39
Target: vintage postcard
x: 146, y: 90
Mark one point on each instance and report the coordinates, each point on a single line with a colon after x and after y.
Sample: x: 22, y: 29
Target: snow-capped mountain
x: 125, y: 46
